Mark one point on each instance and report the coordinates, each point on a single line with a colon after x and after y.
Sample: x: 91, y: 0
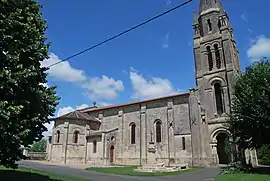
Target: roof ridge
x: 132, y: 103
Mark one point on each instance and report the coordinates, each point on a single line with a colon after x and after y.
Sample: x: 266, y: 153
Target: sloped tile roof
x: 78, y: 115
x: 132, y: 103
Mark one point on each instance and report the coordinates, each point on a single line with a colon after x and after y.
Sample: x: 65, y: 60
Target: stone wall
x: 183, y: 151
x: 173, y: 112
x: 36, y: 155
x: 95, y: 156
x: 57, y: 153
x: 66, y: 150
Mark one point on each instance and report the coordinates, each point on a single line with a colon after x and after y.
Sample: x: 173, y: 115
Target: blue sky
x: 152, y: 61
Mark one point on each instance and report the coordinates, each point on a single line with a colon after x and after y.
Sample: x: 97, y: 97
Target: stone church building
x: 185, y: 128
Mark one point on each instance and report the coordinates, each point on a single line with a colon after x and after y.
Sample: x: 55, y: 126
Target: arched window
x: 218, y: 97
x: 209, y: 24
x: 210, y: 58
x: 132, y: 133
x: 94, y: 146
x: 219, y: 24
x: 206, y: 2
x: 57, y: 136
x: 158, y: 131
x: 75, y: 136
x: 218, y: 61
x: 183, y: 143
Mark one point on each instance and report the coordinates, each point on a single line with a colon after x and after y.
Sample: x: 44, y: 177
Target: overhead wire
x: 122, y: 33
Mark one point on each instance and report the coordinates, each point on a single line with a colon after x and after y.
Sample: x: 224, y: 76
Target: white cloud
x: 166, y: 41
x: 49, y: 127
x: 154, y: 87
x: 63, y: 71
x: 98, y: 89
x: 104, y: 103
x: 260, y: 48
x: 64, y: 110
x: 243, y: 17
x: 44, y: 84
x: 83, y: 106
x: 103, y: 88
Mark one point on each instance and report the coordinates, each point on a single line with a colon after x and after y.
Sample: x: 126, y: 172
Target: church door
x: 224, y: 158
x: 112, y: 154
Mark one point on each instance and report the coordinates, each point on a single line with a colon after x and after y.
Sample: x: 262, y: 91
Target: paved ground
x: 206, y: 174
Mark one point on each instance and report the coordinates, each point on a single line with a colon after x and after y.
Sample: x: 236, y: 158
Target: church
x: 185, y: 128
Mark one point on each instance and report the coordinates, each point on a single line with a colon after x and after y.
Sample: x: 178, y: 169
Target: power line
x: 122, y: 33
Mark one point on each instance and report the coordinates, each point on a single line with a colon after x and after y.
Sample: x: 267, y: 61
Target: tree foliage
x: 39, y: 146
x: 250, y: 117
x: 263, y: 154
x: 25, y: 103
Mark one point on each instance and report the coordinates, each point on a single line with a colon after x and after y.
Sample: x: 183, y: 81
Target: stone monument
x: 152, y: 166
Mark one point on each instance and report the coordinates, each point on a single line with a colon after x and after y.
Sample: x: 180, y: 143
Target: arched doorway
x: 112, y: 154
x: 223, y: 157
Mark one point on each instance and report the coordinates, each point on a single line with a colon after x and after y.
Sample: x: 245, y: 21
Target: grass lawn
x: 27, y: 174
x: 130, y: 171
x: 244, y: 177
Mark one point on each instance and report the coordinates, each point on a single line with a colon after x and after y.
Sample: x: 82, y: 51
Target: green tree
x: 39, y: 146
x: 250, y: 117
x: 25, y: 104
x: 263, y: 154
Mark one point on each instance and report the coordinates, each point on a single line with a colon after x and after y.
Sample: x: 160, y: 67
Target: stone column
x: 170, y: 125
x: 48, y: 148
x: 65, y: 141
x: 100, y: 118
x: 205, y: 62
x: 209, y: 103
x: 121, y: 139
x: 87, y: 132
x: 143, y: 135
x: 214, y: 153
x: 214, y: 102
x: 52, y: 144
x: 221, y: 56
x: 214, y: 58
x: 226, y: 103
x: 195, y: 126
x: 106, y: 149
x: 103, y: 138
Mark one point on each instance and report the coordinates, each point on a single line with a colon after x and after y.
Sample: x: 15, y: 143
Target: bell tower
x: 216, y: 58
x: 216, y: 62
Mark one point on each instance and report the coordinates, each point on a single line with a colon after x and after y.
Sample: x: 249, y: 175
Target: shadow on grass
x: 261, y: 170
x: 23, y: 176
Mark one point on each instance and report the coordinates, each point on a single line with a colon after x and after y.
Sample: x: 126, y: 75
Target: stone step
x: 161, y: 168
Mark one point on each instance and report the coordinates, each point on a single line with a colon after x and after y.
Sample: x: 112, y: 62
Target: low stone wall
x: 36, y: 155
